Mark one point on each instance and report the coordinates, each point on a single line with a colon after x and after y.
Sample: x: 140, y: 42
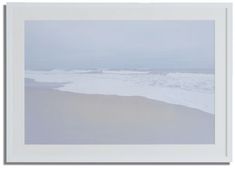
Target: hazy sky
x: 119, y: 45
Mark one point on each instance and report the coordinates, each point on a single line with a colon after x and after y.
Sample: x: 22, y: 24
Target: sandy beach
x: 119, y: 82
x: 57, y: 117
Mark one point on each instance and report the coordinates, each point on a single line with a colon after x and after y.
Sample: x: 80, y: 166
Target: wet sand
x: 57, y: 117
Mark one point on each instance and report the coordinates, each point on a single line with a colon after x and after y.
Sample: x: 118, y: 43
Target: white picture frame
x: 18, y: 152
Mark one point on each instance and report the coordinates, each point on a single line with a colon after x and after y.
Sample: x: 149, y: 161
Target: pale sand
x: 56, y: 117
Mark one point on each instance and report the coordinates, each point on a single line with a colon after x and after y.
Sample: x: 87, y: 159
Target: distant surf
x: 191, y: 89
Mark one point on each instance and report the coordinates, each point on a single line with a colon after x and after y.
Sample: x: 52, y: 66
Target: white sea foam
x: 195, y: 90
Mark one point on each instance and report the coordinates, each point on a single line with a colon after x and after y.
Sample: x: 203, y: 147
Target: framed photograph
x: 118, y: 83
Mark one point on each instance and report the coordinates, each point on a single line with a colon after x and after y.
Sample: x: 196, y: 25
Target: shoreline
x: 54, y: 85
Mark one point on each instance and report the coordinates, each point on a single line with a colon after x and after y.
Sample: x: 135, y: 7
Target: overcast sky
x: 119, y: 45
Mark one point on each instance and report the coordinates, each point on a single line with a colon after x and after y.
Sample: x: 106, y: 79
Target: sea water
x: 191, y: 89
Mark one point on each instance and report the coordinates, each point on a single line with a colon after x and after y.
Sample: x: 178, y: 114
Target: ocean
x: 194, y: 89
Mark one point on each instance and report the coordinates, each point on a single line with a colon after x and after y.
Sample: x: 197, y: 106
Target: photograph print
x: 119, y: 82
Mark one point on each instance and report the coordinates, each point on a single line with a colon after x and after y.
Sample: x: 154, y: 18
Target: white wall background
x: 169, y: 166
